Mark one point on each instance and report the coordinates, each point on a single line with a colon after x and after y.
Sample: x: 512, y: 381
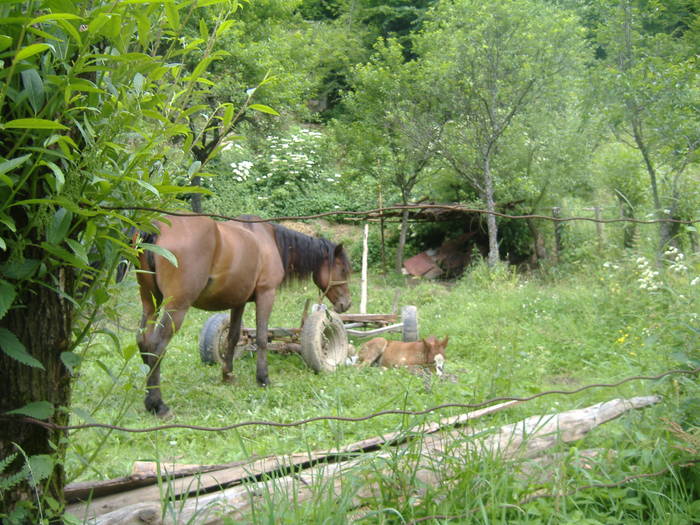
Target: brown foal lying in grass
x: 428, y: 352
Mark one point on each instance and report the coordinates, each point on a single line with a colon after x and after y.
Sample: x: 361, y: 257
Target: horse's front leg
x: 263, y: 307
x: 154, y: 345
x: 234, y: 334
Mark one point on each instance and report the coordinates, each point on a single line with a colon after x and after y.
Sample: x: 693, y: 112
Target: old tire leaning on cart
x: 324, y: 341
x: 409, y: 319
x: 213, y: 339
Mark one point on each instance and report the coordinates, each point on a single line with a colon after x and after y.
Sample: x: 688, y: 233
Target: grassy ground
x: 510, y: 335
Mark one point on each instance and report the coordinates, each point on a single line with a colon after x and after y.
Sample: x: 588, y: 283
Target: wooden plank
x: 527, y: 438
x: 369, y: 318
x: 212, y: 477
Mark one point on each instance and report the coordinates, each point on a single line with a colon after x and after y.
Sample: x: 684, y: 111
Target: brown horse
x: 222, y: 266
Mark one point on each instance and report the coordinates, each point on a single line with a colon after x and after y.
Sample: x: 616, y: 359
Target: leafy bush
x: 289, y: 174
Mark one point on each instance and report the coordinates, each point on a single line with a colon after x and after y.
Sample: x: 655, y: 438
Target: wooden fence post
x: 363, y: 284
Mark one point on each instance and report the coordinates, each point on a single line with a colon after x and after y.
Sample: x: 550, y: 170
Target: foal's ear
x: 444, y: 343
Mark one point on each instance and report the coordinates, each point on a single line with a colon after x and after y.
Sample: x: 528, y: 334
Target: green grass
x: 510, y: 335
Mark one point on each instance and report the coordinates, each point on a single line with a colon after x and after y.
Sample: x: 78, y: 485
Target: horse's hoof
x: 157, y: 408
x: 164, y: 412
x: 228, y: 378
x: 264, y: 382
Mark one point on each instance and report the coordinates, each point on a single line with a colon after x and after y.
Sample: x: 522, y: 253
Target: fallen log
x: 524, y: 439
x: 147, y: 485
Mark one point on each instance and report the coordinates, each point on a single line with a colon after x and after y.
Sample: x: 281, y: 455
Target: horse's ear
x: 447, y: 338
x: 338, y: 250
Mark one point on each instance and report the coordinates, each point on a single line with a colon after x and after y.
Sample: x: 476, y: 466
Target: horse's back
x: 399, y: 353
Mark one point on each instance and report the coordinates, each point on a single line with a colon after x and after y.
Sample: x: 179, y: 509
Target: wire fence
x: 52, y: 426
x: 377, y: 213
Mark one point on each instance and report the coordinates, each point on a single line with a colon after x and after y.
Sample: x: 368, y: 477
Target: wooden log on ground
x: 106, y: 496
x: 524, y: 439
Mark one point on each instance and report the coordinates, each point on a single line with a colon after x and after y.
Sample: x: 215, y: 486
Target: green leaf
x: 53, y: 16
x: 31, y: 50
x: 33, y: 123
x: 20, y: 270
x: 78, y: 250
x: 14, y: 348
x: 70, y: 360
x: 40, y: 466
x: 224, y: 27
x: 11, y: 164
x: 5, y: 42
x: 34, y: 86
x: 167, y: 254
x: 172, y: 15
x: 65, y: 255
x: 263, y: 109
x: 7, y: 297
x: 37, y: 410
x: 60, y: 224
x: 228, y: 115
x: 59, y: 178
x: 194, y: 168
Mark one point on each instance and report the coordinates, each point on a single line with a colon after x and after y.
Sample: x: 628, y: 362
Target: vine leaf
x: 36, y: 409
x: 14, y: 348
x: 7, y: 297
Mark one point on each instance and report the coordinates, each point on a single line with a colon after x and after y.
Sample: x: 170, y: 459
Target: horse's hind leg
x: 263, y: 307
x: 153, y: 351
x: 234, y: 333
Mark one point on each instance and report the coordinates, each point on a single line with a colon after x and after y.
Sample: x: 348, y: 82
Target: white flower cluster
x: 676, y: 260
x: 241, y: 170
x: 648, y: 279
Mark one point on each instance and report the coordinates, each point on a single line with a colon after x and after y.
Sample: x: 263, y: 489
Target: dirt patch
x: 337, y: 232
x: 300, y: 227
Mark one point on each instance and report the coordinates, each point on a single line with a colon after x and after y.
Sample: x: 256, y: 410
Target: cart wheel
x: 324, y: 341
x: 213, y: 339
x: 409, y: 318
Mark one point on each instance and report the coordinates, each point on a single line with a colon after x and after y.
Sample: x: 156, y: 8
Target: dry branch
x: 526, y: 438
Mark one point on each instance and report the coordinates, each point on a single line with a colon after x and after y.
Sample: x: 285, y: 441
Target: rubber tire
x: 213, y: 339
x: 409, y: 319
x: 324, y: 341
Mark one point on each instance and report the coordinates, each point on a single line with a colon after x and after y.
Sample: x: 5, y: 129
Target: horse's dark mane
x: 302, y: 254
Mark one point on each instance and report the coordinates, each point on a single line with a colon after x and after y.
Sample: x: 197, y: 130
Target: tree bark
x: 402, y: 240
x: 43, y: 325
x: 491, y: 224
x: 196, y: 198
x: 539, y: 248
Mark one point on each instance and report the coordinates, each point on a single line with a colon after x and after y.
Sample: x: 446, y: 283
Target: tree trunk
x: 44, y: 327
x: 491, y: 225
x: 539, y: 249
x: 629, y: 231
x: 196, y: 198
x: 402, y: 240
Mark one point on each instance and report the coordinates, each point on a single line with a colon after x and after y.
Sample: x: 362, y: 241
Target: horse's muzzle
x: 342, y: 306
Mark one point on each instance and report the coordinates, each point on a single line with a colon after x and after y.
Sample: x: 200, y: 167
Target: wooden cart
x: 321, y: 339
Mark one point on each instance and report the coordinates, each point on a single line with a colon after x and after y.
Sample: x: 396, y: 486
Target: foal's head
x: 435, y: 352
x: 332, y: 278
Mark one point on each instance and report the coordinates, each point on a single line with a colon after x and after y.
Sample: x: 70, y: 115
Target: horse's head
x: 332, y: 279
x: 435, y: 352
